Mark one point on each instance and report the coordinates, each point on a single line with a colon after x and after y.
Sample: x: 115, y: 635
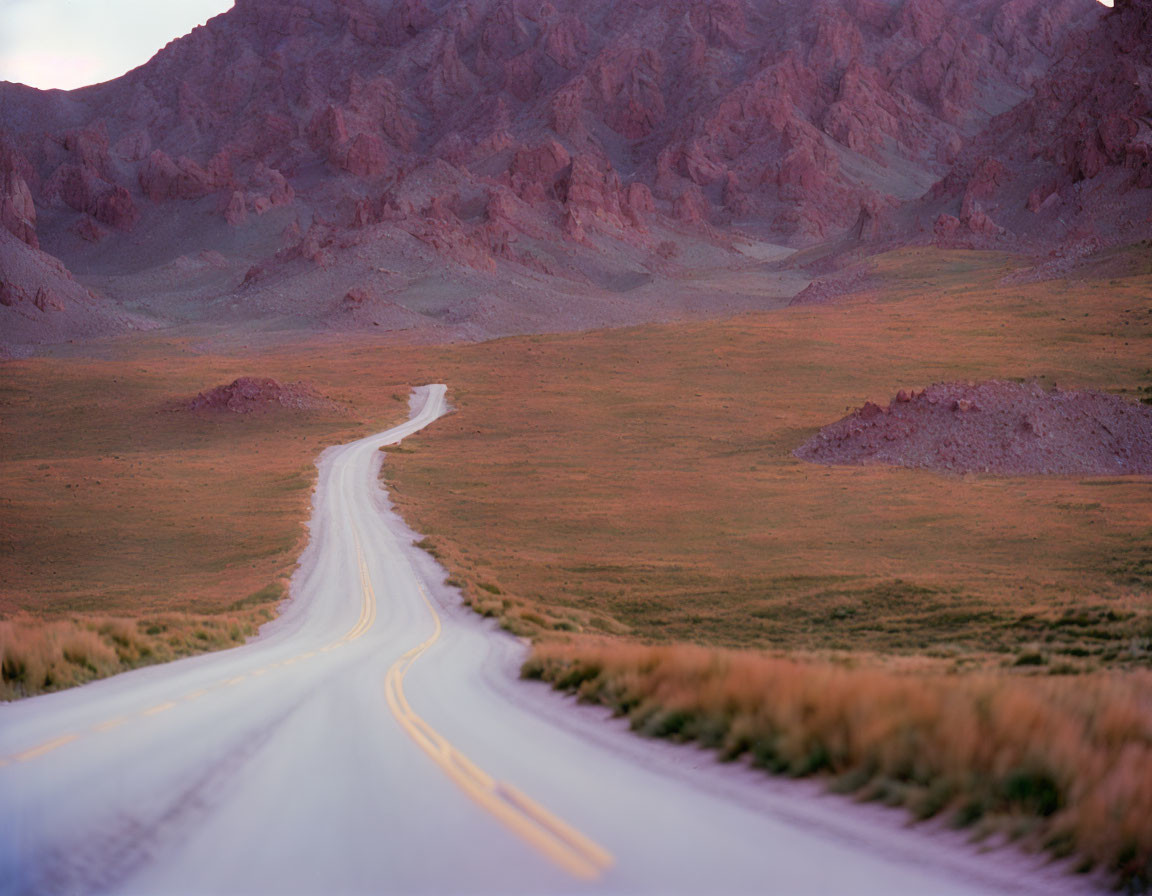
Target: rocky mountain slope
x: 472, y: 167
x: 1069, y: 168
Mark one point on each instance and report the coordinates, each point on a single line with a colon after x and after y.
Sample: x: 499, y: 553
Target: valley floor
x: 647, y: 499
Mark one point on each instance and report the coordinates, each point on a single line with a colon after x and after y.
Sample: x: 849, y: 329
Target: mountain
x: 474, y: 167
x: 1070, y: 166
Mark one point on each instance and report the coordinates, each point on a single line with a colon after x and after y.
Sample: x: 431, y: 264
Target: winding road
x: 374, y: 739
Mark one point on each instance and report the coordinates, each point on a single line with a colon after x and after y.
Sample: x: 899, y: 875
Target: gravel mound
x: 834, y: 287
x: 250, y: 394
x: 993, y: 427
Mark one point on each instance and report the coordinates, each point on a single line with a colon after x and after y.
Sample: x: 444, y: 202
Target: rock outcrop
x: 1074, y: 157
x: 768, y: 112
x: 41, y: 302
x: 253, y: 395
x: 496, y: 133
x: 17, y: 208
x: 993, y: 427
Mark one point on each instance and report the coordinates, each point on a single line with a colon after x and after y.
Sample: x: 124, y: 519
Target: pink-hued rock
x: 566, y: 109
x: 756, y: 110
x: 1138, y: 158
x: 947, y: 230
x: 47, y: 300
x: 1117, y: 132
x: 735, y: 197
x: 41, y: 302
x: 267, y: 189
x: 134, y: 146
x: 973, y: 227
x: 314, y: 246
x: 236, y: 212
x: 17, y: 209
x: 81, y: 188
x: 116, y: 208
x: 88, y: 230
x: 363, y: 214
x: 250, y: 394
x: 381, y: 106
x: 988, y: 178
x: 88, y: 146
x: 834, y: 287
x: 535, y: 171
x: 717, y: 86
x: 804, y: 121
x: 328, y: 130
x: 590, y: 184
x: 565, y: 41
x: 366, y: 156
x: 1074, y: 153
x: 162, y: 177
x: 973, y: 216
x: 691, y: 207
x: 638, y: 204
x: 993, y: 427
x: 629, y: 86
x: 1043, y: 196
x: 806, y: 169
x: 355, y: 297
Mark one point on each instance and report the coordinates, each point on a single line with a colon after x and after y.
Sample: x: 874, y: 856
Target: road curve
x: 374, y: 740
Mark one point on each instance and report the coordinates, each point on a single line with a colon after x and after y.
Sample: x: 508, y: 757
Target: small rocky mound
x: 834, y: 287
x: 993, y: 427
x: 251, y: 394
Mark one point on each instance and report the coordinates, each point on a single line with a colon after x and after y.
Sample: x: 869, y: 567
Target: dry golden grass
x: 641, y: 481
x: 640, y: 484
x: 185, y: 527
x: 1065, y: 763
x: 38, y: 654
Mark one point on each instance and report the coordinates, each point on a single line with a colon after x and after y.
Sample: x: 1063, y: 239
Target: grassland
x: 976, y: 646
x: 971, y: 646
x: 131, y: 533
x: 641, y: 482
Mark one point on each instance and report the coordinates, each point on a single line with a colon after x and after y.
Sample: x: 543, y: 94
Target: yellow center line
x: 368, y: 604
x: 556, y: 839
x: 368, y: 615
x: 110, y: 724
x: 47, y: 747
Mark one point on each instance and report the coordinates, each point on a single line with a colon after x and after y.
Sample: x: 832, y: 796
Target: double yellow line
x: 363, y: 624
x: 554, y: 838
x: 368, y: 605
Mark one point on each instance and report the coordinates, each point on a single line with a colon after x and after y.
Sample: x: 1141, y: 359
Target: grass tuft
x: 1066, y: 765
x: 48, y: 655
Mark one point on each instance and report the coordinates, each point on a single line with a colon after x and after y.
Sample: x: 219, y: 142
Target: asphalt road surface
x: 374, y: 739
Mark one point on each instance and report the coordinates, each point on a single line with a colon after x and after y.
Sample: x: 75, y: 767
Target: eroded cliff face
x: 504, y: 136
x: 1070, y: 167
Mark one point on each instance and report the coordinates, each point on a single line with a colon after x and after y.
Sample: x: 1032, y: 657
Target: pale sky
x: 72, y: 43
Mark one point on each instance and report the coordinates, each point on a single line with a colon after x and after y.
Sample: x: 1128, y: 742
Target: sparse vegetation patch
x: 1062, y: 764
